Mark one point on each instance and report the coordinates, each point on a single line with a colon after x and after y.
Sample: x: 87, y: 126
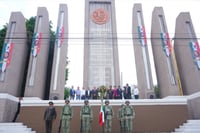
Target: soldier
x: 129, y: 115
x: 121, y: 118
x: 66, y: 117
x: 49, y: 116
x: 86, y: 116
x: 109, y: 114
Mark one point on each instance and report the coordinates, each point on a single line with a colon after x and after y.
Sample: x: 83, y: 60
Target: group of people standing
x: 113, y: 92
x: 125, y: 115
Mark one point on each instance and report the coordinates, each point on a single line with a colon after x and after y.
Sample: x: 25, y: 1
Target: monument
x: 142, y: 62
x: 167, y: 75
x: 60, y: 55
x: 37, y: 69
x: 101, y: 63
x: 13, y: 57
x: 187, y: 51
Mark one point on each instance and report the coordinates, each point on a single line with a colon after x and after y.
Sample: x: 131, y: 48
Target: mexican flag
x: 101, y: 114
x: 6, y: 56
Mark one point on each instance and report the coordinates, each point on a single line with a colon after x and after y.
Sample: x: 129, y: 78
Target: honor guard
x: 129, y: 115
x: 109, y: 114
x: 86, y: 116
x: 121, y: 118
x: 66, y: 117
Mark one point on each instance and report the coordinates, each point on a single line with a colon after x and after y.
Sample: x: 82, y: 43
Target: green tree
x: 156, y: 90
x: 66, y: 73
x: 30, y: 23
x: 66, y: 92
x: 2, y: 36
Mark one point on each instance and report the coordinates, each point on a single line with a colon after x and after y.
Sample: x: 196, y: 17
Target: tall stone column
x: 60, y: 55
x: 165, y: 66
x: 37, y: 69
x: 101, y: 63
x: 13, y: 56
x: 143, y: 67
x: 187, y: 51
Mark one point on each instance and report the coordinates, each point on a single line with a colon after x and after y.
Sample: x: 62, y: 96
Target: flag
x: 6, y: 56
x: 60, y: 36
x: 166, y: 43
x: 36, y: 44
x: 142, y: 35
x: 101, y: 114
x: 195, y: 48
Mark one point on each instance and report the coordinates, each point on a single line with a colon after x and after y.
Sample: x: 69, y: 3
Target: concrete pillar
x: 60, y: 55
x: 101, y: 63
x: 37, y: 69
x: 187, y: 53
x: 142, y: 62
x: 163, y: 55
x: 13, y: 56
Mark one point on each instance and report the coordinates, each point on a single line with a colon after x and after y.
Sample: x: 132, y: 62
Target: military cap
x: 86, y: 100
x: 67, y: 100
x: 50, y: 103
x: 127, y: 102
x: 106, y: 101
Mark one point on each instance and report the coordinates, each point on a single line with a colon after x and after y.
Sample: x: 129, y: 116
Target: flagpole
x: 103, y: 116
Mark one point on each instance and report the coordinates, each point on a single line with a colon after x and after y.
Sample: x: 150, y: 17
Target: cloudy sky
x: 172, y: 8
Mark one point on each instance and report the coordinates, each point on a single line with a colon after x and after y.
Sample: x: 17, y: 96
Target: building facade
x: 101, y: 63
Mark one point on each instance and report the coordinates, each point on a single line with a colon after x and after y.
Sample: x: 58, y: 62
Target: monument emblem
x: 100, y: 16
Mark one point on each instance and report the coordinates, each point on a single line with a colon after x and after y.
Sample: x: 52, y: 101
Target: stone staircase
x: 191, y: 126
x: 15, y: 128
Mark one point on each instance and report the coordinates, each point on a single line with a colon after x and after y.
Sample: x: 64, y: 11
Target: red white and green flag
x: 36, y: 44
x: 60, y: 36
x: 101, y: 114
x: 142, y: 35
x: 167, y: 48
x: 195, y: 49
x: 6, y: 56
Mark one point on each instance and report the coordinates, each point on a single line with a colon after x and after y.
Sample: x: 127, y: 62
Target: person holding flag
x: 108, y: 115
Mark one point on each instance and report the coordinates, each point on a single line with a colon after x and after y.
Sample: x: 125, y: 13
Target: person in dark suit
x: 88, y: 94
x: 49, y: 116
x: 127, y: 92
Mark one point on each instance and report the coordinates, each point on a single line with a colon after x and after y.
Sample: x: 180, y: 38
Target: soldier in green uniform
x: 67, y: 114
x: 129, y: 115
x: 120, y: 117
x: 109, y: 114
x: 86, y: 115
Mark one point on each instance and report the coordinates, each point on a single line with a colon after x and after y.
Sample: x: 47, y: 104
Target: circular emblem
x: 100, y: 16
x: 6, y: 55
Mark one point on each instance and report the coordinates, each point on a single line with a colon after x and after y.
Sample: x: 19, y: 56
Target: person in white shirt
x: 78, y: 93
x: 136, y: 92
x: 83, y: 94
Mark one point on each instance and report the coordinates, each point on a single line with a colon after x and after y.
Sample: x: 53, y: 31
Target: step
x: 189, y: 126
x: 15, y: 128
x: 188, y: 129
x: 185, y: 132
x: 11, y: 124
x: 193, y: 121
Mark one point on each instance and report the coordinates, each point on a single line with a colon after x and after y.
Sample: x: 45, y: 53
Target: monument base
x: 8, y: 107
